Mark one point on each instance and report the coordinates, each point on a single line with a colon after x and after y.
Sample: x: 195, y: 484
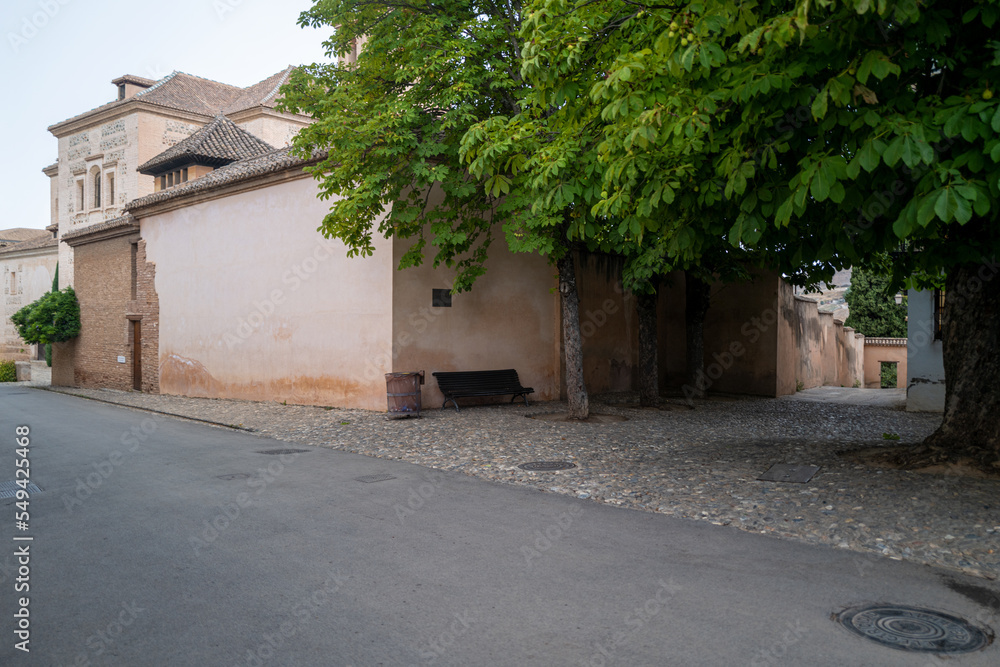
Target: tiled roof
x: 114, y: 223
x: 185, y: 92
x: 244, y: 170
x: 42, y: 240
x: 18, y: 234
x: 263, y: 94
x: 220, y: 142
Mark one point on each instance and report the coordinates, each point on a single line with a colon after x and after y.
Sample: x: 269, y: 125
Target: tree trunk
x: 696, y: 302
x: 649, y: 385
x: 576, y: 391
x: 970, y: 430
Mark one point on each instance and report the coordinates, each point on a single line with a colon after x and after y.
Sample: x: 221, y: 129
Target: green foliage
x: 54, y: 318
x: 872, y: 304
x: 48, y: 355
x: 393, y: 122
x: 8, y: 371
x: 55, y: 279
x: 889, y: 374
x: 890, y: 436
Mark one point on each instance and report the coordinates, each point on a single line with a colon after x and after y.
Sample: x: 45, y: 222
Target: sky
x: 59, y: 56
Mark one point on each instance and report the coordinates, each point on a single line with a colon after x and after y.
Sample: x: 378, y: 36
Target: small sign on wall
x: 121, y: 359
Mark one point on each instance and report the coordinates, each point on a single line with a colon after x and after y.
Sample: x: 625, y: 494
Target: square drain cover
x: 9, y: 489
x: 782, y: 472
x: 368, y: 479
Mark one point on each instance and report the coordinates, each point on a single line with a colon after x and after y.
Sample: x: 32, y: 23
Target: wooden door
x: 137, y: 355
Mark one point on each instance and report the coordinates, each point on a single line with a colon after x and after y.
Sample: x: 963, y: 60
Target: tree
x: 53, y: 318
x: 393, y: 124
x: 821, y: 134
x: 854, y: 128
x: 873, y: 308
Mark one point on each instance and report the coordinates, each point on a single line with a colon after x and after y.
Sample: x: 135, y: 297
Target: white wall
x: 925, y: 362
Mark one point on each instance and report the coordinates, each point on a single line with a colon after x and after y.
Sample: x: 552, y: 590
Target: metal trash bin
x: 402, y: 391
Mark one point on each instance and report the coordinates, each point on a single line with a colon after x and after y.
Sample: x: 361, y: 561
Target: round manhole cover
x: 546, y: 466
x: 914, y: 629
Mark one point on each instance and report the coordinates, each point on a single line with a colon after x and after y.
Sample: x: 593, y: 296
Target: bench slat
x: 457, y: 384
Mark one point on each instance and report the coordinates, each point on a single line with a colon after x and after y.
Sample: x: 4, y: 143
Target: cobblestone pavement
x: 699, y: 464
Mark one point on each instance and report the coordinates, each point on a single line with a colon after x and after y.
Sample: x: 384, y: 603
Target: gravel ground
x: 698, y: 464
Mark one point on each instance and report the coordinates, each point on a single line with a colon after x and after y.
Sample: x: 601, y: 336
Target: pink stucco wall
x: 256, y: 304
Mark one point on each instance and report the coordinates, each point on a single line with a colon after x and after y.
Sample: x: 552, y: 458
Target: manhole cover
x: 546, y: 466
x: 278, y: 452
x: 914, y: 629
x: 10, y: 489
x: 235, y: 475
x: 368, y: 479
x: 783, y: 472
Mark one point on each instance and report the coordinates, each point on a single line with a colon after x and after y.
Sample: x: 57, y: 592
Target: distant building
x: 27, y: 267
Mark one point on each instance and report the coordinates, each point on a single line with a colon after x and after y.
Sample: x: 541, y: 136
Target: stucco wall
x: 740, y: 334
x: 925, y: 389
x: 879, y: 350
x: 510, y: 319
x: 814, y: 349
x: 255, y: 304
x: 609, y: 329
x: 33, y: 270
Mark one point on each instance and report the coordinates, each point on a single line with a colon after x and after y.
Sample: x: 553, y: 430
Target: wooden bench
x: 480, y: 383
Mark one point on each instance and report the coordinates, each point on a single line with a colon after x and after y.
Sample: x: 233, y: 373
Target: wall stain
x: 189, y: 377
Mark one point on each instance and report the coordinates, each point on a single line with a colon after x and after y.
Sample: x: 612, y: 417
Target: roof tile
x: 217, y: 144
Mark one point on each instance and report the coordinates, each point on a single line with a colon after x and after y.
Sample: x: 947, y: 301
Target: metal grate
x: 914, y: 629
x: 783, y: 472
x: 278, y: 452
x: 10, y: 489
x: 368, y: 479
x: 546, y: 466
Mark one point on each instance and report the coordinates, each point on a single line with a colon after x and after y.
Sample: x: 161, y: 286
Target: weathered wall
x: 33, y: 271
x: 255, y: 304
x: 510, y: 319
x: 103, y: 285
x: 879, y: 350
x: 925, y: 388
x: 145, y: 308
x: 64, y: 363
x: 814, y: 349
x: 609, y: 328
x: 740, y: 335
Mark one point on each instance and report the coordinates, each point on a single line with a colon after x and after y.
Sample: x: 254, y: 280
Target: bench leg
x: 445, y: 404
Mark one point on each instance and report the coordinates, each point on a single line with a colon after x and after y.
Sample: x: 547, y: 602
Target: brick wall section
x: 104, y: 287
x: 146, y: 307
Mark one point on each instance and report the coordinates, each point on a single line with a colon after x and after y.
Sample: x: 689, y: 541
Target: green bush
x: 54, y: 318
x: 8, y: 371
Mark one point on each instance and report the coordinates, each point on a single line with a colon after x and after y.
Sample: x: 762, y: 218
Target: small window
x: 184, y: 175
x: 938, y: 313
x: 97, y: 189
x: 121, y: 91
x: 163, y: 182
x: 170, y: 180
x: 441, y: 298
x: 79, y: 195
x: 110, y: 178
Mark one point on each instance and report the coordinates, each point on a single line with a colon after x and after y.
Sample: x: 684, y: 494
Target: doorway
x: 137, y: 355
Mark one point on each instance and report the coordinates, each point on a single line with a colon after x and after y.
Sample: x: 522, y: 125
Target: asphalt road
x: 158, y: 541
